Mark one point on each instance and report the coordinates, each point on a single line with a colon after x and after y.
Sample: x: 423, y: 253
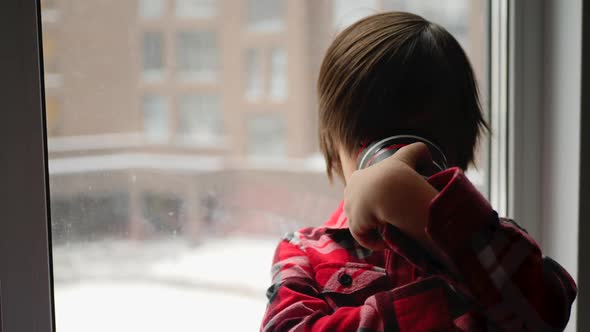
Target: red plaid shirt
x: 322, y: 280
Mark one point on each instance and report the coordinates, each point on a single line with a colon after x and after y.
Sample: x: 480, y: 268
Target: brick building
x: 196, y: 116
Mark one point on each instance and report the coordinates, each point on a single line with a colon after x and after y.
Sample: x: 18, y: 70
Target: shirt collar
x: 338, y: 219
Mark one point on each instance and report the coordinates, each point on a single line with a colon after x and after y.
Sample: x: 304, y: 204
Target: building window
x: 83, y: 217
x: 52, y: 106
x: 47, y: 4
x: 199, y: 119
x: 196, y: 8
x: 253, y: 74
x: 151, y: 8
x: 153, y: 56
x: 197, y: 55
x: 346, y: 12
x: 49, y: 53
x: 155, y: 118
x: 266, y: 15
x: 266, y: 135
x: 278, y: 74
x: 162, y: 211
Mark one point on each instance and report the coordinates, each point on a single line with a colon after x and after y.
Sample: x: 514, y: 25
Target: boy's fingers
x: 414, y: 155
x: 367, y: 234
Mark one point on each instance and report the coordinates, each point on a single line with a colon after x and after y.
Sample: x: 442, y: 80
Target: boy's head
x: 396, y: 73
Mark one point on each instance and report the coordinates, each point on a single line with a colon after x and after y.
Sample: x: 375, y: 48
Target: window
x: 155, y: 118
x: 48, y: 4
x: 49, y: 52
x: 53, y: 78
x: 199, y: 119
x: 50, y: 11
x: 153, y: 56
x: 196, y: 8
x: 52, y: 114
x: 253, y: 74
x: 151, y: 8
x: 266, y: 15
x: 192, y: 141
x: 266, y: 136
x: 197, y: 55
x: 278, y: 76
x: 162, y: 211
x: 277, y: 81
x: 88, y: 215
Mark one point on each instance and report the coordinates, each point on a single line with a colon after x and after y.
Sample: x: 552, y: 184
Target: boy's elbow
x: 561, y: 291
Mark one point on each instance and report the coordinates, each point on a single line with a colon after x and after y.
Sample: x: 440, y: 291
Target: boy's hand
x: 390, y: 192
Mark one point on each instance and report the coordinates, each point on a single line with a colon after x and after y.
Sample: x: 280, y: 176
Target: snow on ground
x: 145, y: 307
x: 123, y: 286
x: 242, y: 262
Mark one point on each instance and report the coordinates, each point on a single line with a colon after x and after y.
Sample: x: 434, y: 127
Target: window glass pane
x: 266, y: 136
x: 155, y: 115
x: 153, y: 56
x: 151, y: 8
x: 266, y: 15
x: 196, y: 8
x: 161, y: 168
x: 253, y: 74
x: 278, y: 77
x: 197, y: 55
x: 199, y: 119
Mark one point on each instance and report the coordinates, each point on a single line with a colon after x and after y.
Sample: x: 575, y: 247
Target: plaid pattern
x: 494, y: 277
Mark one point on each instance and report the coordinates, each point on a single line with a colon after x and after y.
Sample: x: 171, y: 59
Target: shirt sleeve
x: 500, y: 265
x: 296, y: 303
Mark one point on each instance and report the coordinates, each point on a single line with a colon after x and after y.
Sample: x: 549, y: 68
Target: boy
x: 403, y: 253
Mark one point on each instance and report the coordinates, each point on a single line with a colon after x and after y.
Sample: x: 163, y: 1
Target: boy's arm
x: 296, y: 303
x: 500, y: 264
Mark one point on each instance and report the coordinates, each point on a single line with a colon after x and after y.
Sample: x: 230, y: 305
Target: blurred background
x: 182, y: 145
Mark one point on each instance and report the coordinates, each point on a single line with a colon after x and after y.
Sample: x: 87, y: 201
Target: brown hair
x: 397, y: 73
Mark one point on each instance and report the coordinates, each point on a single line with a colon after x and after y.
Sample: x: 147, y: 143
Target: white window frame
x: 498, y: 92
x: 516, y: 101
x: 525, y: 81
x: 541, y: 167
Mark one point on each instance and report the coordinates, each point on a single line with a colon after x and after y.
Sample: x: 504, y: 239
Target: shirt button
x: 345, y: 280
x: 270, y: 292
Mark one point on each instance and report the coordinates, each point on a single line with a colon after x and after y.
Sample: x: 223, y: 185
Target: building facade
x: 198, y: 116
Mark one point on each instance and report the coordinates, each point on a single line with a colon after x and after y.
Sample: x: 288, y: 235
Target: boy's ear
x: 338, y: 171
x: 346, y: 162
